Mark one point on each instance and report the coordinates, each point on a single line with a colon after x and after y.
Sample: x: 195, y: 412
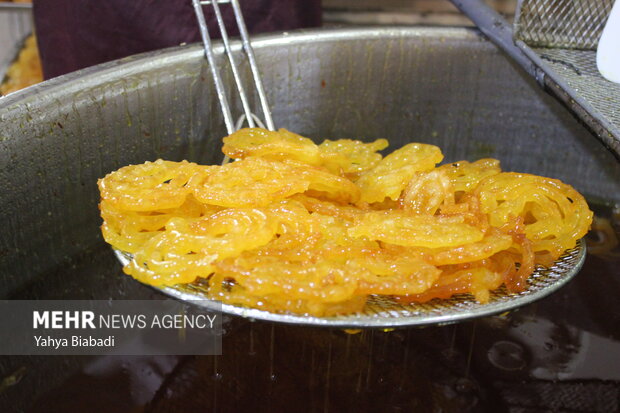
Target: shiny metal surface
x: 450, y: 87
x: 217, y: 79
x: 385, y: 312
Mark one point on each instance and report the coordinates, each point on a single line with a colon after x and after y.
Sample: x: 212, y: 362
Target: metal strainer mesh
x: 579, y: 72
x: 384, y: 312
x: 560, y: 37
x: 571, y: 24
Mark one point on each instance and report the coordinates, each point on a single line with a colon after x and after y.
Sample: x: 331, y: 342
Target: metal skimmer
x: 380, y: 311
x: 247, y: 47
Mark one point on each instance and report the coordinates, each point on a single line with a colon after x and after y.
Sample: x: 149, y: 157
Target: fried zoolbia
x: 295, y: 226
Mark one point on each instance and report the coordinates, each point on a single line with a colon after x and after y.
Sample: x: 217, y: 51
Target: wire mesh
x: 570, y: 24
x: 579, y: 72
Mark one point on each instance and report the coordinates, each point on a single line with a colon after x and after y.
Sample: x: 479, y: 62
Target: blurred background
x: 20, y: 64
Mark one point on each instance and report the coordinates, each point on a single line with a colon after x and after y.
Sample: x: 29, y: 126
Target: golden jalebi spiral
x: 464, y: 176
x: 344, y: 156
x: 148, y: 187
x: 293, y: 226
x: 427, y: 191
x: 555, y: 215
x: 259, y: 182
x: 392, y: 174
x: 415, y: 230
x: 188, y: 248
x: 129, y: 230
x: 280, y: 145
x: 351, y: 157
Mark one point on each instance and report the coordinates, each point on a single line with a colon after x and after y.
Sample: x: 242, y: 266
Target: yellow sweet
x: 292, y: 226
x: 187, y: 249
x: 555, y: 215
x: 344, y: 156
x: 278, y: 145
x: 427, y: 191
x: 351, y: 157
x: 413, y: 230
x: 129, y: 230
x: 492, y: 243
x: 392, y: 174
x: 259, y: 182
x: 148, y: 187
x: 249, y: 182
x: 464, y: 176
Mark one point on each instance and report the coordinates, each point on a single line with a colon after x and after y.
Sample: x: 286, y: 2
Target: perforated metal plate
x: 384, y: 312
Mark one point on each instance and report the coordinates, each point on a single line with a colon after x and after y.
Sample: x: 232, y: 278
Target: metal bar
x: 247, y: 46
x: 233, y: 65
x: 219, y: 86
